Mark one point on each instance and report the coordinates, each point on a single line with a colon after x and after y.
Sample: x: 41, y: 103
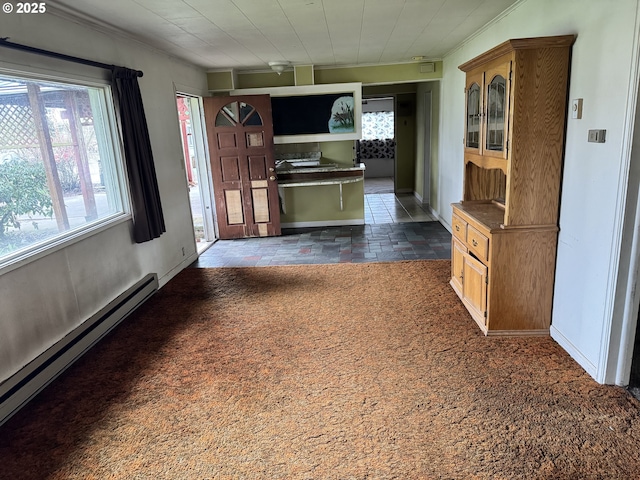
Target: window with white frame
x: 60, y: 175
x: 377, y: 126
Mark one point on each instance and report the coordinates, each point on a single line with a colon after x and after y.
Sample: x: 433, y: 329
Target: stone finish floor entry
x: 396, y: 228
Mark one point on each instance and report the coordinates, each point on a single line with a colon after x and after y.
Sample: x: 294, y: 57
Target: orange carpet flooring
x: 346, y: 371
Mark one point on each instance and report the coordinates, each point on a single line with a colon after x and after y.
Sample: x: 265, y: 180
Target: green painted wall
x: 322, y: 204
x: 339, y: 152
x: 403, y: 72
x: 221, y: 81
x: 405, y: 121
x: 304, y: 74
x: 377, y: 74
x: 388, y: 90
x: 265, y: 79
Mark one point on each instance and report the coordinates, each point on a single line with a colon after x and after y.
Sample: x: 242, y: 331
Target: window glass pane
x: 249, y: 116
x: 58, y: 168
x: 473, y: 116
x: 377, y: 126
x: 232, y: 114
x: 223, y: 121
x: 496, y: 94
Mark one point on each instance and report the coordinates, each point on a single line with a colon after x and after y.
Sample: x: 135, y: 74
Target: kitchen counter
x: 313, y: 203
x: 309, y: 174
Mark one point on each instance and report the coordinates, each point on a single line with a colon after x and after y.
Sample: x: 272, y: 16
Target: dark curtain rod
x: 4, y: 42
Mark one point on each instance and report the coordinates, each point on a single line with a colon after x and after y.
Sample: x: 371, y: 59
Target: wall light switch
x: 597, y: 136
x: 576, y: 108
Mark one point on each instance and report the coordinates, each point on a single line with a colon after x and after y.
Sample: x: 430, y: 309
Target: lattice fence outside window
x: 59, y: 171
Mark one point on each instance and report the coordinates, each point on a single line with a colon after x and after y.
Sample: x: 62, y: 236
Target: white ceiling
x: 248, y: 34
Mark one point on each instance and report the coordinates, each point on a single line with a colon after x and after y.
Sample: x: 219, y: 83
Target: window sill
x: 61, y: 243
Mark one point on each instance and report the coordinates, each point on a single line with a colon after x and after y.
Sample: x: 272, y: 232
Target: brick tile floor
x: 396, y: 228
x: 351, y: 244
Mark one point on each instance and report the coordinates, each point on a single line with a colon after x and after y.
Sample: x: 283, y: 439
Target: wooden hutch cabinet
x: 505, y: 229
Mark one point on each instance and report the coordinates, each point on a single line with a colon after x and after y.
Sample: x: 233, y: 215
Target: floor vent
x: 16, y: 391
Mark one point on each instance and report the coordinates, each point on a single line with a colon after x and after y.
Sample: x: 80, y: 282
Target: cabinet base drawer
x: 459, y: 227
x: 478, y: 243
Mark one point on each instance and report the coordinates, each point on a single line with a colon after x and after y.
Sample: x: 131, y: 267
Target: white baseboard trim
x: 573, y: 351
x: 324, y: 223
x: 162, y: 281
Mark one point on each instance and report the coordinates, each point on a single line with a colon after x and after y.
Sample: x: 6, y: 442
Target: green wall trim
x: 221, y: 81
x: 402, y: 72
x: 304, y: 74
x: 371, y: 75
x: 265, y: 79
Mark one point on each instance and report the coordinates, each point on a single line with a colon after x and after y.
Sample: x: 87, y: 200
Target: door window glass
x: 238, y: 112
x: 249, y: 116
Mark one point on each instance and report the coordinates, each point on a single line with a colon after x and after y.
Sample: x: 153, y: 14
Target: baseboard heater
x: 16, y: 391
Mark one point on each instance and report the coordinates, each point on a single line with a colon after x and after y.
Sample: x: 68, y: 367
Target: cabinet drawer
x: 478, y: 243
x: 459, y: 227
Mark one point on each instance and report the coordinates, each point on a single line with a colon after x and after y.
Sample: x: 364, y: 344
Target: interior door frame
x: 426, y: 174
x: 204, y: 175
x: 203, y: 168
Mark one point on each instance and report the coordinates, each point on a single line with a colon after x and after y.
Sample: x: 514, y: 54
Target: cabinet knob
x: 272, y: 178
x: 457, y: 228
x: 271, y: 169
x: 474, y: 243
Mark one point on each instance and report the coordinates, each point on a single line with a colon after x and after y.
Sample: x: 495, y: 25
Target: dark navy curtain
x: 148, y: 220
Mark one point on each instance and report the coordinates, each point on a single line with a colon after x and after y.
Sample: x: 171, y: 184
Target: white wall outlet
x: 576, y: 108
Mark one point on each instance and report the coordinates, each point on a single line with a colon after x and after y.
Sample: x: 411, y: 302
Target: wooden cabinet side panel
x: 539, y: 97
x: 521, y: 280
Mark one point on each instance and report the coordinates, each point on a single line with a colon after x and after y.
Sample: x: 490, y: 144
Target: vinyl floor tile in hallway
x: 390, y: 208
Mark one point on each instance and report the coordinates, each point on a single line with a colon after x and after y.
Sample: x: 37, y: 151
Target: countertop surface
x: 321, y: 168
x: 323, y: 174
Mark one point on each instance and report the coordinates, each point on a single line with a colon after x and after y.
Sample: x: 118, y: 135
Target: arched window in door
x: 235, y: 113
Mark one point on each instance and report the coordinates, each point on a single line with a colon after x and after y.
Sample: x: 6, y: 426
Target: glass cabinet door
x: 496, y: 97
x: 473, y: 123
x: 473, y: 116
x: 496, y: 114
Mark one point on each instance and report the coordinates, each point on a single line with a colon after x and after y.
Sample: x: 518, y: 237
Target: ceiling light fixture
x: 279, y: 66
x: 418, y: 58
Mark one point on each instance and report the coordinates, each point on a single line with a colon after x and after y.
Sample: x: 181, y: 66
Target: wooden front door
x: 240, y: 135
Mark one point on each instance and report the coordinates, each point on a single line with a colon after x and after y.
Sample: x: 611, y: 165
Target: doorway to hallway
x: 377, y: 148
